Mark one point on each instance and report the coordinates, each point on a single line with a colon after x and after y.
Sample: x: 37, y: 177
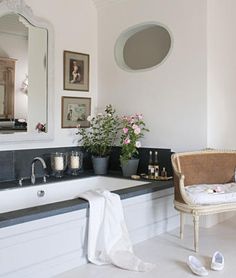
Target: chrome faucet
x: 33, y: 178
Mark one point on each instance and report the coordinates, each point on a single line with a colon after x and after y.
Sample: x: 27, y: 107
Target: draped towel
x: 108, y: 238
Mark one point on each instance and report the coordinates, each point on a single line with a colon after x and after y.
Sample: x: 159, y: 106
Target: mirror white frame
x: 19, y: 7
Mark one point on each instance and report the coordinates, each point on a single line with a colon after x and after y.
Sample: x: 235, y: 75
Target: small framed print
x: 76, y: 71
x: 75, y: 111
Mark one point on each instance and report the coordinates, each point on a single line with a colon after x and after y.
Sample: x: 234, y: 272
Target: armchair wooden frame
x: 209, y: 167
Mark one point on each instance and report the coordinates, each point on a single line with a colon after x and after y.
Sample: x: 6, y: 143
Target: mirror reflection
x: 23, y: 75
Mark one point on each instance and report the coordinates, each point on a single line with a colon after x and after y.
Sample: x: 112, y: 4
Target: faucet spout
x: 41, y: 160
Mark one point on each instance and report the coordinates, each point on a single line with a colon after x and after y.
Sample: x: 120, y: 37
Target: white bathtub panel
x: 37, y: 247
x: 51, y: 268
x: 38, y: 226
x: 154, y: 229
x: 149, y: 212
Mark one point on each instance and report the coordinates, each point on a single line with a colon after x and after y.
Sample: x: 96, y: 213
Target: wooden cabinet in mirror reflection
x: 7, y: 88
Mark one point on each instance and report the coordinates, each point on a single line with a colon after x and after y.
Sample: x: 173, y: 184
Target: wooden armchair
x: 196, y: 168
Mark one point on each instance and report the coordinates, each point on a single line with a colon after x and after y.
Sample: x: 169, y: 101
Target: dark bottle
x: 156, y: 165
x: 164, y: 172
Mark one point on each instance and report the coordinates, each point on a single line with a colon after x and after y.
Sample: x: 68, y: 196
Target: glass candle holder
x: 75, y: 162
x: 58, y: 164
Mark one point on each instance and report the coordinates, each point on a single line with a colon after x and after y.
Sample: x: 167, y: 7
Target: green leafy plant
x: 100, y: 137
x: 133, y: 128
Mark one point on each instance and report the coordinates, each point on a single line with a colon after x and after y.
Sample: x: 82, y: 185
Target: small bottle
x: 156, y: 165
x: 150, y: 166
x: 164, y: 172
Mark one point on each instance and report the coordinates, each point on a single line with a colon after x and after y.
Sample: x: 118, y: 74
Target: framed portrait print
x: 76, y: 71
x: 75, y: 111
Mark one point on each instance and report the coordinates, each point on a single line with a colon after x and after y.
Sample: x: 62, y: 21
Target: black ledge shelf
x: 35, y: 213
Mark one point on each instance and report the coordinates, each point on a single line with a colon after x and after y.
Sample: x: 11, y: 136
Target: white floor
x: 169, y: 253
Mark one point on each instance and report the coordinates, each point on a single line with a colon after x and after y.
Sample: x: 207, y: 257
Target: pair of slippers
x: 217, y: 263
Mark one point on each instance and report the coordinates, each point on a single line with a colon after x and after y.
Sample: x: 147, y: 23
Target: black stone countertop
x: 34, y: 213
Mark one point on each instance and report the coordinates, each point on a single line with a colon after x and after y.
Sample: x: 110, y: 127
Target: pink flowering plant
x: 133, y: 128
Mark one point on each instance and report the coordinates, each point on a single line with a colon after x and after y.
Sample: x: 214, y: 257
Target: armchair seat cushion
x: 211, y: 194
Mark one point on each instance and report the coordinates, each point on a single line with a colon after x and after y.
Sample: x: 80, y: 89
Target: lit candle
x: 74, y: 162
x: 59, y: 163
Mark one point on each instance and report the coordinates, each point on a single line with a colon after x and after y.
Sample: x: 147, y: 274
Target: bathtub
x: 38, y: 195
x: 53, y: 244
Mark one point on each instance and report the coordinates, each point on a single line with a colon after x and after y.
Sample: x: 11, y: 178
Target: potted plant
x: 133, y: 128
x: 100, y: 137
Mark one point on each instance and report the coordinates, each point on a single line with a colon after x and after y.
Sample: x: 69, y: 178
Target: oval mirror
x: 142, y: 47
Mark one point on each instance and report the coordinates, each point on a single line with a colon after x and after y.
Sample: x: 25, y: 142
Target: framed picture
x: 76, y: 71
x: 75, y: 111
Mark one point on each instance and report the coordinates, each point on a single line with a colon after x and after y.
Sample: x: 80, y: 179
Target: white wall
x: 75, y: 29
x: 221, y: 74
x: 173, y: 96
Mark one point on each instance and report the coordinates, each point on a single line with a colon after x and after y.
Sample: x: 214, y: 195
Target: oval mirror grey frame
x: 19, y: 7
x: 125, y: 36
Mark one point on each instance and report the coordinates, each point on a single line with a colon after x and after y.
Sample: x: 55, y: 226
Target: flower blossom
x: 40, y: 127
x: 137, y: 144
x: 140, y: 116
x: 125, y: 130
x: 130, y: 119
x: 89, y: 118
x: 137, y: 130
x: 126, y: 141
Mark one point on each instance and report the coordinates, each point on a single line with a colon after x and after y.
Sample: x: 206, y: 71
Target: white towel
x: 108, y: 238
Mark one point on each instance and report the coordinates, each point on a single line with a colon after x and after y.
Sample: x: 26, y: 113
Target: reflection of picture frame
x: 76, y: 71
x: 74, y: 112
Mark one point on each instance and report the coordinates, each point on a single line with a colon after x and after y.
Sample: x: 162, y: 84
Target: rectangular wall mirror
x: 25, y: 73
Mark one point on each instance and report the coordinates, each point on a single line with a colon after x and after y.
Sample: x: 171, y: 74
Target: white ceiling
x: 102, y: 3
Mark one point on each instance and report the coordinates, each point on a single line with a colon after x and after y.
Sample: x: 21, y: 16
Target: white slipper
x: 218, y: 261
x: 196, y: 266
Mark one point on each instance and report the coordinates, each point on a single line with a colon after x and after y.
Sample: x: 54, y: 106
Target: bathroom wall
x: 173, y: 96
x: 221, y: 74
x: 75, y: 29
